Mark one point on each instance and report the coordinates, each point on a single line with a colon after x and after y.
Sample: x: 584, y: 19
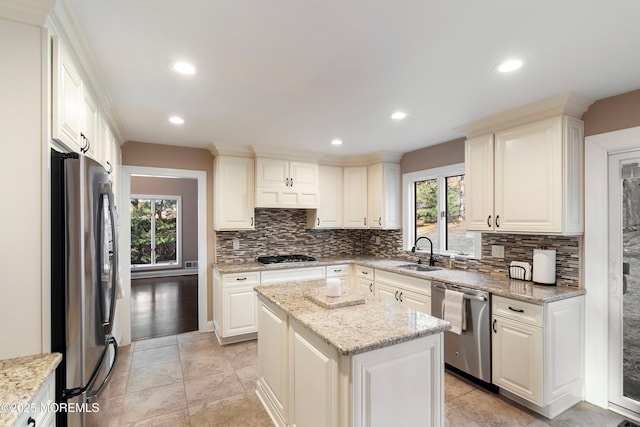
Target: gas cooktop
x: 284, y: 258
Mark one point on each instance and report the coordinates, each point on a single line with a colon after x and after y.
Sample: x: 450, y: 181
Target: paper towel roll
x: 544, y: 266
x: 333, y: 287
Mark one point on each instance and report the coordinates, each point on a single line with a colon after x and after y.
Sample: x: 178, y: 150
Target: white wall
x: 21, y: 190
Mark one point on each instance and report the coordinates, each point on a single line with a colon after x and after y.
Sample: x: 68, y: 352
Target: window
x: 155, y: 231
x: 434, y: 207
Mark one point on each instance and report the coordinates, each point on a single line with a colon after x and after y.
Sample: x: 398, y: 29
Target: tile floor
x: 190, y: 380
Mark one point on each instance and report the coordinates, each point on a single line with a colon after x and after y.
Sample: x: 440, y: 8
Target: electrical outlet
x: 377, y: 240
x: 236, y: 244
x: 497, y: 251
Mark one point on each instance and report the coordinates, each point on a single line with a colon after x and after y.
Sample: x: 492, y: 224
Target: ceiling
x: 295, y: 74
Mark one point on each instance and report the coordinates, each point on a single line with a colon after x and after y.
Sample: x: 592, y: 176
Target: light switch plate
x: 497, y: 251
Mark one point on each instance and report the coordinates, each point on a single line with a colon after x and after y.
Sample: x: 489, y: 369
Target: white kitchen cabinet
x: 235, y: 311
x: 340, y: 271
x: 286, y: 184
x: 364, y: 279
x: 329, y: 212
x: 234, y: 193
x: 44, y: 397
x: 314, y: 383
x: 292, y: 275
x: 89, y: 130
x: 383, y: 196
x: 355, y: 208
x: 272, y: 361
x: 537, y: 352
x: 409, y: 291
x: 67, y: 120
x: 533, y: 183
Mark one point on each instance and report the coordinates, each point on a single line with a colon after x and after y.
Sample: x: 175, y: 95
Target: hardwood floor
x: 163, y: 306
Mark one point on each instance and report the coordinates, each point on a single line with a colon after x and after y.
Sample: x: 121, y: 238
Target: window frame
x: 178, y: 261
x: 409, y: 215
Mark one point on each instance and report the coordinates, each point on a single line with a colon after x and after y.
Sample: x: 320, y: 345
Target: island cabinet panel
x: 314, y: 375
x: 413, y: 367
x: 272, y: 362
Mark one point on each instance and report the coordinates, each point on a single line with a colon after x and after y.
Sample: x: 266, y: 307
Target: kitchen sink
x: 419, y: 267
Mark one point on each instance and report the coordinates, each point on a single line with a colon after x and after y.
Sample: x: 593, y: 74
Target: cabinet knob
x: 31, y: 422
x: 489, y: 221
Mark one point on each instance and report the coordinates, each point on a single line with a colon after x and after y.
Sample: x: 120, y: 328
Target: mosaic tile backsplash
x: 283, y: 231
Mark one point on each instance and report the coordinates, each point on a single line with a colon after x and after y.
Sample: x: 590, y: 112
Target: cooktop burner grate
x: 284, y: 258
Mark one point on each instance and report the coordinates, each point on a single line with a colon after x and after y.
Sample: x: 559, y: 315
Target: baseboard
x: 163, y: 273
x: 236, y: 338
x: 550, y: 411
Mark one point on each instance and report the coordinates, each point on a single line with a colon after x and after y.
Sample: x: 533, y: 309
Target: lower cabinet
x: 410, y: 291
x: 537, y: 352
x: 303, y: 381
x: 364, y: 279
x: 46, y: 396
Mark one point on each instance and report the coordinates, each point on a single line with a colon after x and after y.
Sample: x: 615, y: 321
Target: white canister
x: 544, y: 266
x: 334, y: 289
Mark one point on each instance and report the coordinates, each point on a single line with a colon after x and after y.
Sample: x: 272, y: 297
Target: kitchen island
x: 375, y: 363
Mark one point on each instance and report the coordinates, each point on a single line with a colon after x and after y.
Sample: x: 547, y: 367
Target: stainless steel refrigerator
x: 83, y: 285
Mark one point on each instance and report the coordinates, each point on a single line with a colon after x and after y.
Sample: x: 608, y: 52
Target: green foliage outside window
x: 144, y: 227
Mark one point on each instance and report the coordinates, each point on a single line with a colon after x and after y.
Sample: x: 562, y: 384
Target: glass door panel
x: 140, y: 231
x: 166, y: 216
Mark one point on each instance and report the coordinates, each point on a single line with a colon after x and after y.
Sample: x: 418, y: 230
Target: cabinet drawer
x: 517, y: 310
x: 241, y: 279
x: 292, y: 275
x: 366, y: 272
x: 410, y: 283
x: 338, y: 270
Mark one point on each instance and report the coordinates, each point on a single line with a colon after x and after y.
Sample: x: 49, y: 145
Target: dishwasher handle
x: 442, y: 287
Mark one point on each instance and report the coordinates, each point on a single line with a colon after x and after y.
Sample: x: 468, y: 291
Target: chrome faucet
x: 432, y: 260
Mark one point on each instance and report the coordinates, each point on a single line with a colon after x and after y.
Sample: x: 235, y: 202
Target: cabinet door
x: 234, y: 194
x: 89, y: 131
x: 365, y: 285
x: 303, y: 176
x: 239, y: 311
x: 272, y: 173
x: 517, y: 358
x: 383, y: 195
x: 375, y: 195
x: 528, y: 177
x: 314, y: 382
x: 66, y: 98
x: 386, y: 292
x: 329, y: 212
x: 272, y: 357
x: 415, y: 300
x: 478, y: 182
x: 355, y: 197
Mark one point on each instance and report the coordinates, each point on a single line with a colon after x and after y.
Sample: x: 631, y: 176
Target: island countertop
x: 352, y: 329
x: 21, y: 378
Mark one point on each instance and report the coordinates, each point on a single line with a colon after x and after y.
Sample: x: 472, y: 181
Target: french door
x: 624, y: 281
x: 155, y: 230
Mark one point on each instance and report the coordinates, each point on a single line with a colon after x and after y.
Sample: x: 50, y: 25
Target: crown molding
x: 287, y: 153
x: 570, y: 104
x: 65, y: 24
x: 361, y: 160
x: 231, y: 150
x: 32, y: 12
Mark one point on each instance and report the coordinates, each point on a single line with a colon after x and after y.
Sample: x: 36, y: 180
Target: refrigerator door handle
x: 93, y: 395
x: 105, y: 189
x: 73, y: 392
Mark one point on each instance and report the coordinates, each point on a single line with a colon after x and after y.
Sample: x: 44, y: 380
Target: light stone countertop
x: 21, y: 379
x: 352, y: 329
x: 497, y: 284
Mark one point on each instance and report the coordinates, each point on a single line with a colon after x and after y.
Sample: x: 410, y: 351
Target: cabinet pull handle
x: 240, y: 279
x: 110, y: 168
x: 365, y: 220
x: 497, y: 220
x: 370, y: 287
x: 318, y: 220
x: 396, y: 295
x: 291, y: 182
x: 493, y: 326
x: 379, y: 220
x: 252, y: 221
x: 31, y: 422
x: 489, y: 221
x: 400, y: 297
x: 286, y: 182
x: 337, y: 270
x: 516, y: 310
x: 365, y: 273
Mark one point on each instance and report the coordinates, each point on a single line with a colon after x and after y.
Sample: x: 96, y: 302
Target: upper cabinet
x: 286, y: 184
x: 383, y: 195
x: 355, y: 197
x: 89, y: 134
x: 67, y: 120
x: 527, y: 179
x: 329, y: 212
x: 234, y: 193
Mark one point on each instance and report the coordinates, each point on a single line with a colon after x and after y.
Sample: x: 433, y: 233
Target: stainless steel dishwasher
x: 470, y: 351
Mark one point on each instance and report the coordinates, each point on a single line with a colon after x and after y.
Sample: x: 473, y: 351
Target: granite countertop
x: 21, y: 379
x: 353, y: 329
x: 497, y: 284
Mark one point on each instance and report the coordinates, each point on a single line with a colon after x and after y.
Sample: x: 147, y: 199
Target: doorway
x: 124, y: 308
x: 624, y: 293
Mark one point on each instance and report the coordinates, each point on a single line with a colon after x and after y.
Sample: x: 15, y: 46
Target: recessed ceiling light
x: 399, y: 115
x: 509, y: 65
x: 183, y: 68
x: 176, y: 120
x: 336, y: 142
